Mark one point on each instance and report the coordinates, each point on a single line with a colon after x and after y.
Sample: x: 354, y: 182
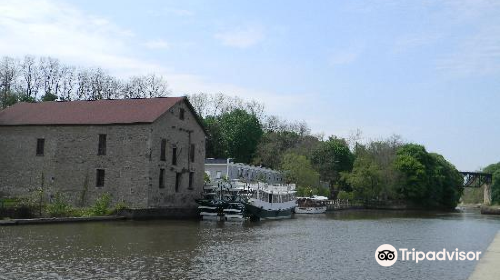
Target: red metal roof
x: 116, y: 111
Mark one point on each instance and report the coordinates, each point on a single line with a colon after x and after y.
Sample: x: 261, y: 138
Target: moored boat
x: 234, y: 212
x: 211, y: 213
x: 311, y: 205
x: 271, y: 202
x: 223, y: 202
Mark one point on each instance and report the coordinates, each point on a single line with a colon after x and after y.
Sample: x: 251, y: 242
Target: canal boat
x: 211, y: 213
x: 271, y: 202
x: 222, y: 202
x: 234, y: 212
x: 311, y: 205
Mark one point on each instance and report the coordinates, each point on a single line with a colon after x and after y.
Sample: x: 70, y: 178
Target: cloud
x: 477, y: 55
x: 281, y: 104
x: 413, y: 41
x: 477, y: 50
x: 463, y: 10
x: 157, y: 44
x: 169, y: 11
x: 344, y: 56
x: 242, y: 37
x: 53, y: 28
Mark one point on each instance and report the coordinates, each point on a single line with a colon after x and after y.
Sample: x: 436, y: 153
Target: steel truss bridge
x: 476, y: 179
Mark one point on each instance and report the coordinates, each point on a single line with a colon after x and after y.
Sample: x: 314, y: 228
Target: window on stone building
x: 191, y: 178
x: 191, y: 152
x: 99, y: 178
x: 174, y: 156
x: 40, y: 146
x: 162, y: 179
x: 181, y: 113
x: 177, y: 181
x: 163, y: 156
x: 102, y: 145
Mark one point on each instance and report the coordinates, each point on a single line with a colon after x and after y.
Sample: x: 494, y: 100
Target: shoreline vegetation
x: 354, y: 168
x: 117, y: 216
x: 58, y: 207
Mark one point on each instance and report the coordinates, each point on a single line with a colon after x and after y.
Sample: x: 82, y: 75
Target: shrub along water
x: 404, y: 172
x: 495, y: 186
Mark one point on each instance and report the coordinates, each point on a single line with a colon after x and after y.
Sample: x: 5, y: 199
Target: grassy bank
x: 19, y: 208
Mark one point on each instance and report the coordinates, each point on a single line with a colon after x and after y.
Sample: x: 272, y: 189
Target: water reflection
x: 338, y: 245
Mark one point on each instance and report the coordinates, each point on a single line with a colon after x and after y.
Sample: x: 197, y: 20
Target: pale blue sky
x: 426, y: 70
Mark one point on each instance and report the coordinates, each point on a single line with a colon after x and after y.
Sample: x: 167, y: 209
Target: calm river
x: 338, y: 245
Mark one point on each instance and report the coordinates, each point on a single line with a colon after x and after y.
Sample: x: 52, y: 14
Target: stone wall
x: 70, y: 161
x: 132, y: 161
x: 180, y: 134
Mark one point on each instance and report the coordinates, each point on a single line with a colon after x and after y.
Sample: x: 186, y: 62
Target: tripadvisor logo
x: 387, y: 255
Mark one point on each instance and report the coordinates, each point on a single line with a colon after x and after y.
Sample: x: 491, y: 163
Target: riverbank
x: 13, y: 222
x: 488, y: 267
x: 172, y: 213
x: 187, y: 249
x: 490, y: 209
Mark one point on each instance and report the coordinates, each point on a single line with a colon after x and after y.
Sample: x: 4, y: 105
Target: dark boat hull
x: 263, y: 214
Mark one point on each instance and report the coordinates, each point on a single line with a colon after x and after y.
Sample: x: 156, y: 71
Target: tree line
x: 380, y: 170
x: 33, y: 79
x: 494, y: 169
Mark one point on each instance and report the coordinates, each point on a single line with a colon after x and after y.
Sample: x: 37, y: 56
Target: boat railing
x: 338, y: 203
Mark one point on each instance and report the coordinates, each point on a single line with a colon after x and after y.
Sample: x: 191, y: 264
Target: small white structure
x: 217, y: 169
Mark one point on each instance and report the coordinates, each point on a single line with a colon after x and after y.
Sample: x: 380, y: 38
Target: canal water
x: 338, y: 245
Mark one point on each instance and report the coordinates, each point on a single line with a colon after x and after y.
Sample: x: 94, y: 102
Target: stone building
x: 218, y: 168
x: 147, y: 153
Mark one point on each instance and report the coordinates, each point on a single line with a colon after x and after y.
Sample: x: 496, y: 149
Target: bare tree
x: 68, y: 78
x: 272, y: 123
x: 47, y: 79
x: 257, y: 109
x: 135, y: 87
x: 147, y: 86
x: 155, y: 86
x: 84, y: 90
x: 217, y: 103
x: 354, y: 138
x: 50, y: 70
x: 200, y: 102
x: 8, y: 73
x: 97, y: 83
x: 31, y: 76
x: 112, y: 87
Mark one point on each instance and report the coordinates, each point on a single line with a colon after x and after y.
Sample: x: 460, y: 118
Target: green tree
x: 9, y: 99
x: 298, y: 169
x: 373, y: 175
x: 49, y: 97
x: 26, y: 98
x: 215, y: 145
x: 413, y: 185
x: 495, y: 185
x: 332, y: 157
x: 365, y: 178
x: 274, y: 144
x: 446, y: 183
x: 240, y: 134
x: 428, y: 179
